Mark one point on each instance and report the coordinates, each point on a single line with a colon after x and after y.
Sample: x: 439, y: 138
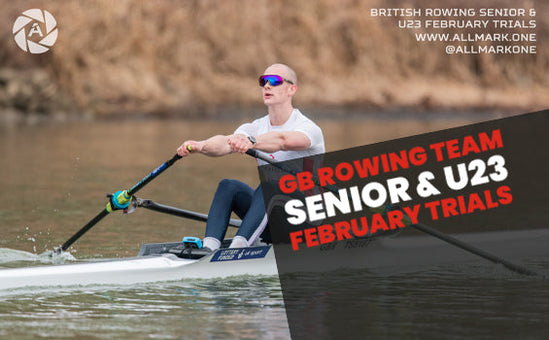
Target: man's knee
x: 227, y: 184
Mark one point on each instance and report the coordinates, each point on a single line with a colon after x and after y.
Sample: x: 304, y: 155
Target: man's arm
x: 215, y: 146
x: 271, y: 142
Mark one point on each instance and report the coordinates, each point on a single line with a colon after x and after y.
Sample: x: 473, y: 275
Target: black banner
x: 341, y: 219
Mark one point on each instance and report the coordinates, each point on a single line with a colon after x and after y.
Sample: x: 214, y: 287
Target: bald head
x: 282, y: 70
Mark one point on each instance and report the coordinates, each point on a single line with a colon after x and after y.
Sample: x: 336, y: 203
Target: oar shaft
x: 477, y: 251
x: 166, y: 209
x: 153, y: 175
x: 82, y: 231
x: 109, y: 207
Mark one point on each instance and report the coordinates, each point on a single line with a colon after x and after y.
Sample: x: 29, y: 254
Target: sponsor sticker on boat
x: 234, y: 254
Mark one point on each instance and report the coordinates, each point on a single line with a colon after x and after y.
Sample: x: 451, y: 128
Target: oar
x: 477, y: 251
x: 119, y: 200
x: 424, y: 228
x: 166, y: 209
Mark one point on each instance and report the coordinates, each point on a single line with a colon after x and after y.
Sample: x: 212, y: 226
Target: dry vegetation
x: 168, y: 56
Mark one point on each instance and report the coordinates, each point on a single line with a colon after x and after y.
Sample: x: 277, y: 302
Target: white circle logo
x: 35, y: 31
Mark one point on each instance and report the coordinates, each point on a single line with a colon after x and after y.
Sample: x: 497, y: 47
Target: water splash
x: 10, y: 257
x: 51, y: 256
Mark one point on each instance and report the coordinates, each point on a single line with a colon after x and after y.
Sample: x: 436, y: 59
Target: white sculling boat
x: 166, y: 261
x: 155, y: 262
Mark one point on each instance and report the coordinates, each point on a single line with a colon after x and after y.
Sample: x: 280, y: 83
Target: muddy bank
x: 194, y: 58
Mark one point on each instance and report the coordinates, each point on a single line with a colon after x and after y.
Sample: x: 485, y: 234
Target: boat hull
x: 388, y: 254
x: 142, y: 269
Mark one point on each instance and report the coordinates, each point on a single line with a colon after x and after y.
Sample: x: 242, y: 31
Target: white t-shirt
x: 296, y: 122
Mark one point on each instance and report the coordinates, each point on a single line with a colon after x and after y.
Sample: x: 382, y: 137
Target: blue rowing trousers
x: 235, y: 196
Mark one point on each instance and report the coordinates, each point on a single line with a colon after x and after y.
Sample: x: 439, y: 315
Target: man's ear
x: 292, y: 90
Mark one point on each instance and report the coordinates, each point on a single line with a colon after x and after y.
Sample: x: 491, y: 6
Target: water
x: 54, y: 179
x: 247, y: 306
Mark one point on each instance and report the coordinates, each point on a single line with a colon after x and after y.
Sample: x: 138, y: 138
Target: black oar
x: 426, y: 229
x: 477, y: 251
x: 166, y: 209
x: 120, y: 200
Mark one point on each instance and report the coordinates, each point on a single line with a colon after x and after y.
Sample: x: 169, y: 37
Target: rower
x: 284, y: 133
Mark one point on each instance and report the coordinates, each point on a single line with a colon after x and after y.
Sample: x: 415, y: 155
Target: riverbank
x: 32, y: 97
x: 193, y: 59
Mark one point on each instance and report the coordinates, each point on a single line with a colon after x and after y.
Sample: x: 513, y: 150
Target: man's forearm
x: 276, y: 141
x: 216, y: 146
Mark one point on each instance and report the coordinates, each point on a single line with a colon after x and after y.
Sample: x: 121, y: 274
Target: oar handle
x: 253, y: 153
x: 260, y: 155
x: 256, y: 154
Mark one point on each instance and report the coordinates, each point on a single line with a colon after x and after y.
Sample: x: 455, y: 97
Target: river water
x: 55, y: 177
